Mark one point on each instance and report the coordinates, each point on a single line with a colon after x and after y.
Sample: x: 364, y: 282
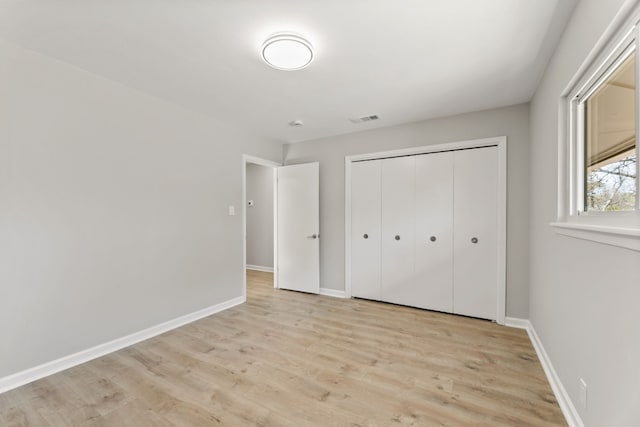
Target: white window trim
x: 612, y: 228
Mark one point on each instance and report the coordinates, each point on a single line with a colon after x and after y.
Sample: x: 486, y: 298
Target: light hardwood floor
x: 291, y: 359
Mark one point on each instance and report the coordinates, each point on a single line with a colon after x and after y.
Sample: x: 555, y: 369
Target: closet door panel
x: 434, y: 231
x: 365, y: 229
x: 398, y: 230
x: 475, y: 232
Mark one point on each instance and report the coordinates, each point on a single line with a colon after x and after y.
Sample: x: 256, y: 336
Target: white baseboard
x: 515, y: 322
x: 566, y: 405
x: 332, y: 293
x: 32, y: 374
x: 260, y: 268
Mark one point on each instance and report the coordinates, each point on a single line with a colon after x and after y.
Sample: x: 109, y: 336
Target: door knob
x: 474, y: 240
x: 314, y: 236
x: 366, y: 236
x: 433, y: 238
x: 397, y: 237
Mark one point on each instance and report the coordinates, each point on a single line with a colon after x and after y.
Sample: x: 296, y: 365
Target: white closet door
x: 365, y: 229
x: 434, y: 232
x: 475, y: 233
x: 398, y: 230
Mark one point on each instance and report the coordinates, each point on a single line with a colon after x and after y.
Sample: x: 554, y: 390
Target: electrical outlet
x: 232, y: 210
x: 583, y: 393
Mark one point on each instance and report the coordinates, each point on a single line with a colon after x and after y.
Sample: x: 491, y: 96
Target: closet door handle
x: 474, y: 240
x: 365, y: 235
x: 397, y: 237
x: 433, y: 238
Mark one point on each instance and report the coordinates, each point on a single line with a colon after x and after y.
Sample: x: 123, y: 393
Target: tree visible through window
x: 610, y: 141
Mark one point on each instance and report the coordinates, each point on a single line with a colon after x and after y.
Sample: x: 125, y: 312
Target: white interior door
x: 298, y: 224
x: 398, y: 233
x: 475, y: 289
x: 365, y: 229
x: 434, y: 231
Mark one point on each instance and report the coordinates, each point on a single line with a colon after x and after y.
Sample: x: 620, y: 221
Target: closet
x: 424, y: 231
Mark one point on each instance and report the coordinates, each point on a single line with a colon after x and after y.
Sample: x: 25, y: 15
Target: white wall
x: 260, y: 215
x: 330, y: 152
x: 584, y: 296
x: 113, y: 210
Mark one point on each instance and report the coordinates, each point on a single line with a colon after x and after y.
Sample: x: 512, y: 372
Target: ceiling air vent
x: 364, y: 119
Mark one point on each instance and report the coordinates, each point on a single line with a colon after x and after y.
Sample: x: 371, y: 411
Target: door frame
x: 246, y: 159
x: 501, y: 143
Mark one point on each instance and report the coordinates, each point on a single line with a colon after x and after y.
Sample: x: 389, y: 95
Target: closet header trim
x: 430, y: 149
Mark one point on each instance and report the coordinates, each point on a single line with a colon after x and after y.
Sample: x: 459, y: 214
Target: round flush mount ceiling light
x: 286, y: 51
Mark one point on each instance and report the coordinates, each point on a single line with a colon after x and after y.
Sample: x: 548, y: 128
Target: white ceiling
x: 404, y: 60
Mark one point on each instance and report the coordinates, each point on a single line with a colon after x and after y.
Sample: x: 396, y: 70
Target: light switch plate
x: 232, y: 210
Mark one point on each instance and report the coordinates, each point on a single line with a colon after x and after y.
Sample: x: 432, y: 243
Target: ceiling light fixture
x: 287, y: 51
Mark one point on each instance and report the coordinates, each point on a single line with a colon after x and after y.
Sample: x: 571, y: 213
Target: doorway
x: 259, y: 210
x: 294, y: 252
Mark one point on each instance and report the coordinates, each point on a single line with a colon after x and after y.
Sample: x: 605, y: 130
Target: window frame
x: 628, y: 46
x: 615, y: 228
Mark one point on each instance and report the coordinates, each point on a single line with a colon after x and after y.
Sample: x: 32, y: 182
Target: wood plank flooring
x: 292, y: 359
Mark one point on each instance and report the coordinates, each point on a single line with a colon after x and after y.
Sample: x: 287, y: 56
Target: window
x: 598, y: 195
x: 608, y: 114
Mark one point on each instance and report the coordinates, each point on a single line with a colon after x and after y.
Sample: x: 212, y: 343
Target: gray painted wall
x: 583, y: 295
x: 330, y: 152
x: 260, y: 215
x: 113, y: 210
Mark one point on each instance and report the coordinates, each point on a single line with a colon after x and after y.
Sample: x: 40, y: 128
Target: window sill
x: 623, y: 237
